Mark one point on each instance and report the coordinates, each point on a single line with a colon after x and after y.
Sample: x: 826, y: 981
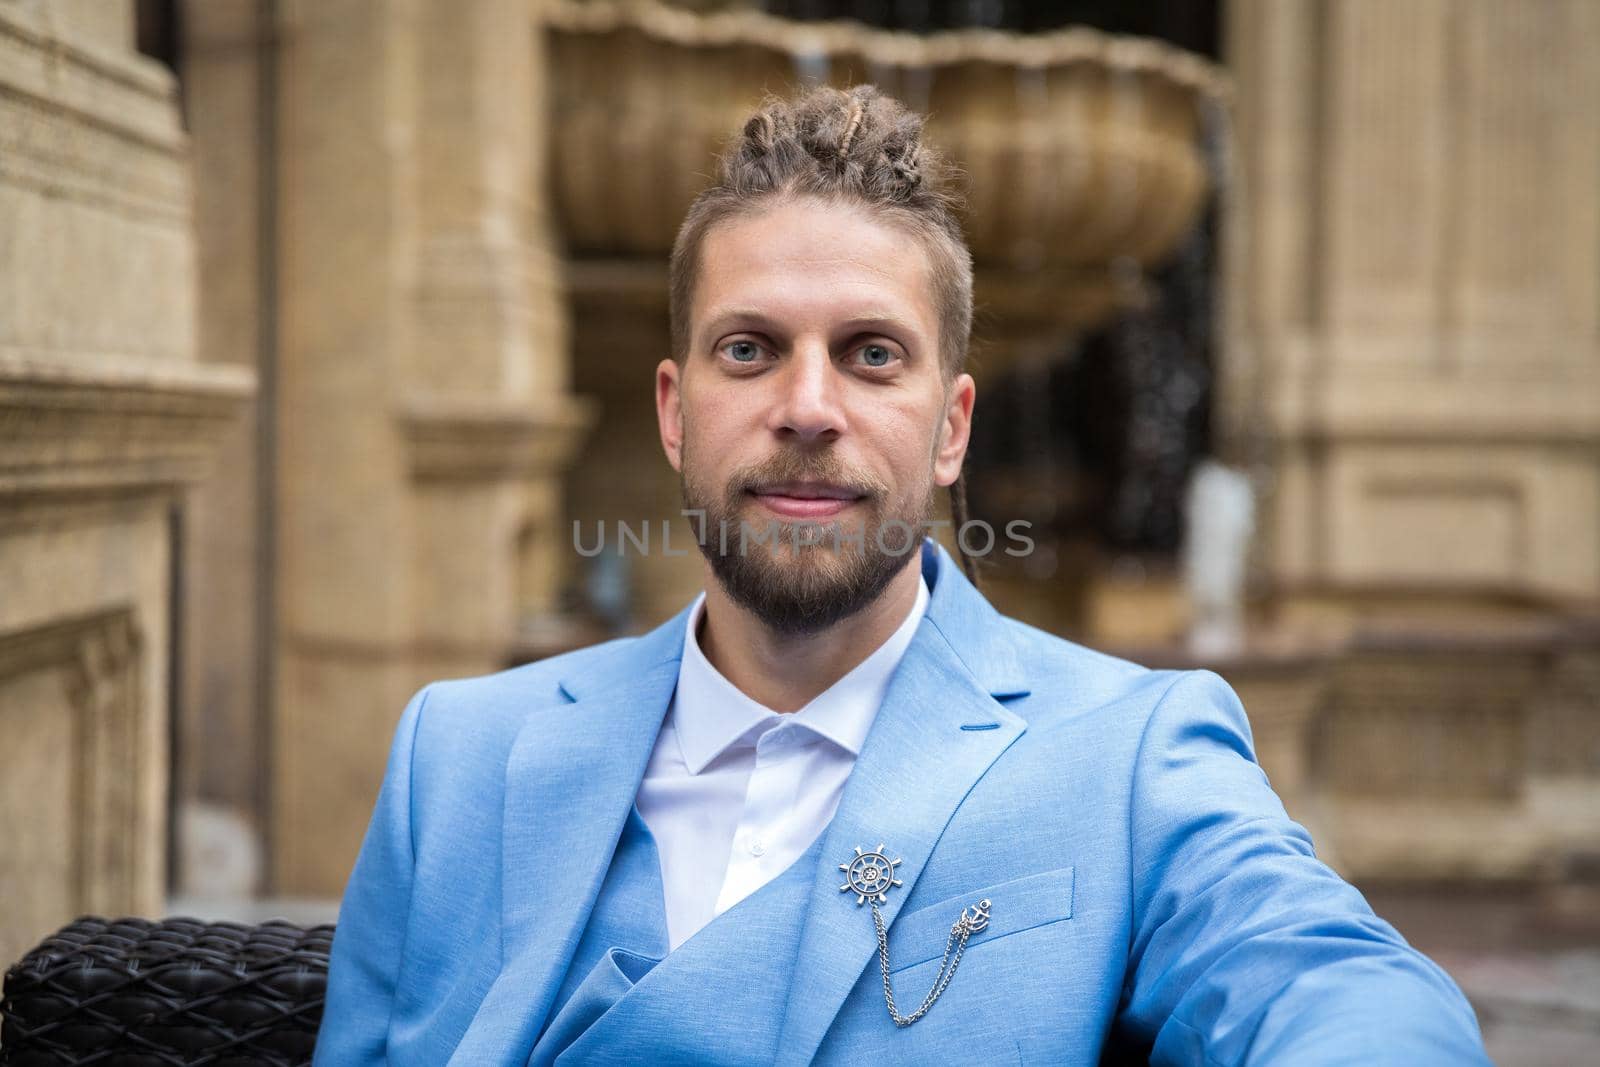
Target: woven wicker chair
x: 136, y: 993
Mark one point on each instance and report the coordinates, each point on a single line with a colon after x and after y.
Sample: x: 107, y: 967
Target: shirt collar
x: 710, y: 714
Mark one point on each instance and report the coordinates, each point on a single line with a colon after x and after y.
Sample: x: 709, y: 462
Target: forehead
x: 806, y: 261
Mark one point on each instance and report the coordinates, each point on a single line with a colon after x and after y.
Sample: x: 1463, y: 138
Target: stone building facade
x: 107, y: 413
x: 1413, y: 365
x: 393, y: 270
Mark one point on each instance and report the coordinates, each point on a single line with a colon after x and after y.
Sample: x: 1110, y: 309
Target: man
x: 838, y: 808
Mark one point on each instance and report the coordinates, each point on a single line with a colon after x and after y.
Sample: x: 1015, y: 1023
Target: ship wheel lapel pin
x: 870, y: 876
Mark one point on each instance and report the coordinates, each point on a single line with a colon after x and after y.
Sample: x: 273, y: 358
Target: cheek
x: 712, y: 430
x: 902, y: 436
x: 713, y: 410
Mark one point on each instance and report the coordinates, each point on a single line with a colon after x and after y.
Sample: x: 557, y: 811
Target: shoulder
x: 476, y: 719
x: 504, y: 691
x: 1060, y: 671
x: 1070, y: 681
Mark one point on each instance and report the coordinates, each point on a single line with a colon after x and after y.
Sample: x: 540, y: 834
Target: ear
x: 955, y: 431
x: 669, y: 410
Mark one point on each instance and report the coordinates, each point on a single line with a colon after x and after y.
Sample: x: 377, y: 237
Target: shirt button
x: 758, y: 848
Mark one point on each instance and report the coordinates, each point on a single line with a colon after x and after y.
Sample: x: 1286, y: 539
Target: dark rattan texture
x: 136, y: 993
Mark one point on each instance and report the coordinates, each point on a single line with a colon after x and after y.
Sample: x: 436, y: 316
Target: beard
x: 799, y: 576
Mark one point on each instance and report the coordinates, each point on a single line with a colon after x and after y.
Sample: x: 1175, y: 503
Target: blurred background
x: 327, y: 329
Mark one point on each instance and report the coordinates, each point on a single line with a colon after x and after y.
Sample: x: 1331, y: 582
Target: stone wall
x: 104, y: 418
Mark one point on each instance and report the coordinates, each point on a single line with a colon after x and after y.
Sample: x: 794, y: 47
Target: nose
x: 810, y: 404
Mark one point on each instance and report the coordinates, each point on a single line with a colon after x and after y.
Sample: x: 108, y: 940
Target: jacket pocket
x: 1021, y: 904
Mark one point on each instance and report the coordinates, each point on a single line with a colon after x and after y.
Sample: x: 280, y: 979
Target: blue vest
x: 626, y: 999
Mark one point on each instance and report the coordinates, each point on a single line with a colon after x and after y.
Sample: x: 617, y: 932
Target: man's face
x: 811, y: 407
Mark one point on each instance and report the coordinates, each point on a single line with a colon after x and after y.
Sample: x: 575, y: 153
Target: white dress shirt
x: 735, y: 792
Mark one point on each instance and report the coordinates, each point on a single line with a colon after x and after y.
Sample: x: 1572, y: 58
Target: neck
x: 785, y: 672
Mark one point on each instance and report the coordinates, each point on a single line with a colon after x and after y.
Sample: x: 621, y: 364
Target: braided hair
x: 855, y: 146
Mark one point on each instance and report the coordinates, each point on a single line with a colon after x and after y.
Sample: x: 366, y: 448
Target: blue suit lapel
x: 939, y: 730
x: 571, y: 780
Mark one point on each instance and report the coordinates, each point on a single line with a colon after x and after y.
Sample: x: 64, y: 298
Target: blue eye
x: 876, y: 355
x: 744, y: 351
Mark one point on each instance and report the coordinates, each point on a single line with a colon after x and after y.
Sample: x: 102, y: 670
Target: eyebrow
x: 881, y: 323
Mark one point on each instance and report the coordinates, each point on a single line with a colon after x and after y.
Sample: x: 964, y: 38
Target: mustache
x: 785, y: 467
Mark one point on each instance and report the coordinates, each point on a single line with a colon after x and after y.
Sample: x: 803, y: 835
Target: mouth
x: 806, y: 500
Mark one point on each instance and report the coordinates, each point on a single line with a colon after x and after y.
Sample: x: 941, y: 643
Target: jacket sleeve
x: 364, y: 963
x: 1245, y: 947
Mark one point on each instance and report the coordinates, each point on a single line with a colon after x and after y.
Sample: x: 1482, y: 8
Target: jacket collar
x: 710, y: 714
x: 575, y: 768
x: 974, y: 631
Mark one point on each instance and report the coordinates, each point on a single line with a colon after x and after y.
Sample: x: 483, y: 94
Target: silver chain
x: 973, y: 919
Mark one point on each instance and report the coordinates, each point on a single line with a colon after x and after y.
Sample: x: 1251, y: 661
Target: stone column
x: 422, y: 405
x: 490, y: 420
x: 1416, y: 247
x: 105, y: 416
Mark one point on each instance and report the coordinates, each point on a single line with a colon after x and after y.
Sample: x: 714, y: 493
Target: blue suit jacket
x: 1149, y: 889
